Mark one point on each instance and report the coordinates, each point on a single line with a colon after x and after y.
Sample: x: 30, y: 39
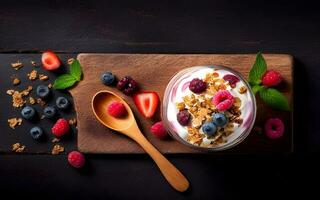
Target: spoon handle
x: 176, y: 179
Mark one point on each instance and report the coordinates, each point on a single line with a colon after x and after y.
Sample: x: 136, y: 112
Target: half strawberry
x: 146, y: 102
x: 50, y: 61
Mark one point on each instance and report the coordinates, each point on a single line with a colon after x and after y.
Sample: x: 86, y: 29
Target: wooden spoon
x: 127, y: 125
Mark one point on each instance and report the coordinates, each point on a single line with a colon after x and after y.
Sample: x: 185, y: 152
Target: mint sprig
x: 270, y: 96
x: 258, y: 69
x: 67, y: 80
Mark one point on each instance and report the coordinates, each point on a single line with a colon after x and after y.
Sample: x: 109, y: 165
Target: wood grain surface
x: 153, y: 72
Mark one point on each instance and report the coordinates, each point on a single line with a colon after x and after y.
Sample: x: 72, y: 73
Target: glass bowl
x: 179, y: 87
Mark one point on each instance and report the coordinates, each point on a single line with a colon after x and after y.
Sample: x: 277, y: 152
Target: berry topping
x: 76, y: 159
x: 117, y: 109
x: 159, y: 130
x: 209, y: 129
x: 197, y: 85
x: 28, y: 112
x: 127, y: 85
x: 146, y: 102
x: 271, y: 78
x: 62, y: 103
x: 274, y: 128
x: 60, y: 128
x: 223, y: 100
x: 107, y: 78
x: 183, y: 117
x: 219, y: 119
x: 43, y: 91
x: 232, y: 79
x: 49, y: 112
x: 36, y: 133
x: 50, y: 61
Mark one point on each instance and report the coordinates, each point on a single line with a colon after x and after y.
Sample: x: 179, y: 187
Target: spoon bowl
x: 127, y: 125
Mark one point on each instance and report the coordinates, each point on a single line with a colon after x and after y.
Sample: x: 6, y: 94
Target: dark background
x: 171, y: 27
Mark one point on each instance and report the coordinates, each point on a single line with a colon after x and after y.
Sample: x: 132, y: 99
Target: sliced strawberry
x: 50, y: 61
x: 146, y: 102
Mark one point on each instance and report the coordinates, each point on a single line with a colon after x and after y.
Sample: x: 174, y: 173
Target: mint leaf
x: 258, y: 69
x: 64, y: 81
x: 75, y: 70
x: 274, y: 98
x: 256, y: 88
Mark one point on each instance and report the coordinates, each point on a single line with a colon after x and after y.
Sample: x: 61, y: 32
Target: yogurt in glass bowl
x: 212, y: 113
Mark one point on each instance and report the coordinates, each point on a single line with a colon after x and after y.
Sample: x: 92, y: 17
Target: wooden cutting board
x: 153, y: 72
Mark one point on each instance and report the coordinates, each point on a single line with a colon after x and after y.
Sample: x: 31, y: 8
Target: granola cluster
x: 201, y: 109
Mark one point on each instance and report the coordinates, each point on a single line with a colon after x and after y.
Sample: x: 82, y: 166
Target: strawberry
x: 158, y: 130
x: 146, y: 102
x: 50, y: 61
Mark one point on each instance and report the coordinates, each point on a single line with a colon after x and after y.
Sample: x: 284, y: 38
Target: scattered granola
x: 17, y: 97
x: 33, y: 75
x: 10, y: 92
x: 33, y: 63
x: 70, y: 61
x: 41, y: 102
x: 57, y: 149
x: 50, y: 85
x: 18, y: 148
x: 73, y: 121
x: 13, y: 122
x: 43, y: 77
x: 32, y: 100
x: 17, y: 65
x: 242, y: 90
x: 16, y: 81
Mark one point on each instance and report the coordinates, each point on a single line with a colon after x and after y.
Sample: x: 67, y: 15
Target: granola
x: 16, y: 81
x: 13, y: 122
x: 17, y: 97
x: 17, y: 65
x: 43, y: 77
x: 57, y: 149
x: 73, y: 121
x: 33, y: 75
x: 18, y: 148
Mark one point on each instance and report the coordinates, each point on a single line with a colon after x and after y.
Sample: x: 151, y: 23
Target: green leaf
x: 75, y: 70
x: 258, y: 69
x: 256, y: 88
x: 64, y: 81
x: 274, y: 98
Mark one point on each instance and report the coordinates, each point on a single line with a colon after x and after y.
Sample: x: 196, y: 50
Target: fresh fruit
x: 223, y: 100
x: 183, y: 117
x: 76, y: 159
x: 274, y: 128
x: 62, y: 103
x: 117, y: 109
x: 197, y: 85
x: 60, y: 128
x: 159, y: 130
x: 107, y: 78
x: 28, y: 112
x: 50, y: 61
x: 49, y: 112
x: 43, y: 91
x: 146, y: 102
x: 271, y: 78
x: 232, y: 79
x: 209, y: 128
x: 127, y: 85
x: 219, y: 119
x: 36, y: 132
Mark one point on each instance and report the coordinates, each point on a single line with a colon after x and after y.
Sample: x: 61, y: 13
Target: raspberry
x: 60, y: 128
x: 127, y: 85
x: 76, y: 159
x: 274, y: 128
x: 271, y: 78
x: 117, y: 109
x: 197, y: 85
x: 232, y: 79
x: 183, y: 117
x: 223, y: 100
x: 158, y: 130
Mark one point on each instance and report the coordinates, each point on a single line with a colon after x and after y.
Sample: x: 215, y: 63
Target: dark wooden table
x: 171, y: 27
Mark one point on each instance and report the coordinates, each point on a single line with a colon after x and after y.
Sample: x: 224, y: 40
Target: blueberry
x: 219, y: 119
x: 62, y: 103
x: 28, y: 112
x: 107, y: 78
x: 43, y: 91
x: 36, y: 132
x: 49, y: 111
x: 209, y: 129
